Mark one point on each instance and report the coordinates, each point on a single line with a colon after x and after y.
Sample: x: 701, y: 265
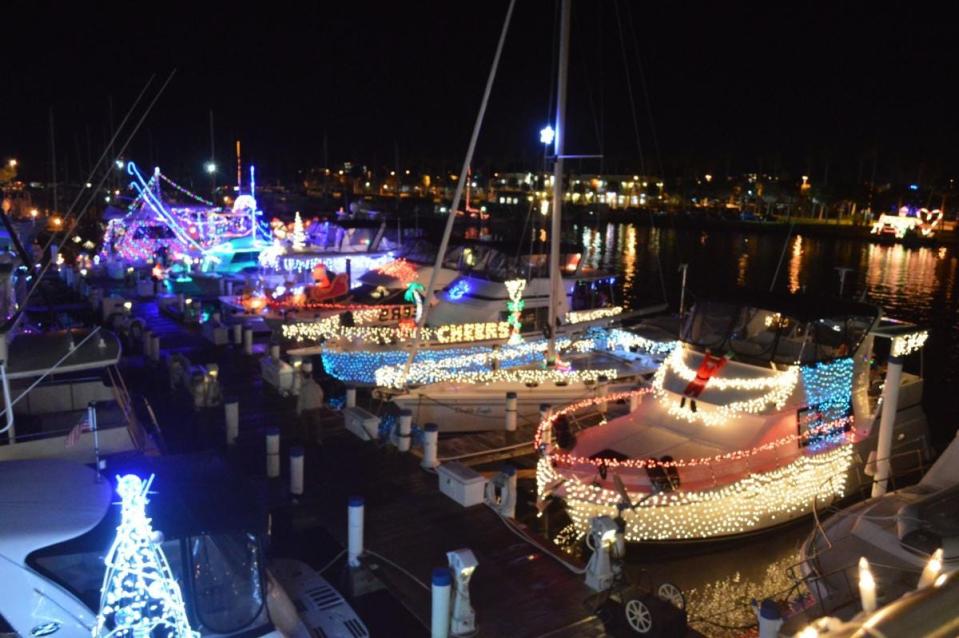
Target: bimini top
x: 762, y: 328
x: 45, y: 502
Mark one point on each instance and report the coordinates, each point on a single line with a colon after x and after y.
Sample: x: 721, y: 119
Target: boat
x: 752, y: 420
x: 899, y: 533
x: 58, y: 519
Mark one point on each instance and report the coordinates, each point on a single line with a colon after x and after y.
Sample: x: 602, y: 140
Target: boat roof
x: 30, y: 355
x: 804, y: 306
x: 45, y: 502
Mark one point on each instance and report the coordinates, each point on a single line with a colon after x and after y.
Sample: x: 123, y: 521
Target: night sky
x: 790, y: 88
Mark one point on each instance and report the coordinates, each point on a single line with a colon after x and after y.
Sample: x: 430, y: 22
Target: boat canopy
x: 500, y: 261
x: 763, y: 328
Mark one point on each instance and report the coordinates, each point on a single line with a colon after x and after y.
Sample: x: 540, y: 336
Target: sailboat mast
x: 555, y: 276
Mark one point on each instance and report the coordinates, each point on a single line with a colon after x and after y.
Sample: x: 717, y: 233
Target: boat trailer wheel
x: 639, y: 616
x: 671, y: 594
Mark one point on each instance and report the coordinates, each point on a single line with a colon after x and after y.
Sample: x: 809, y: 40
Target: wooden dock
x: 517, y: 590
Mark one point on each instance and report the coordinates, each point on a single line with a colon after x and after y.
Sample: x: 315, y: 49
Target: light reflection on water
x: 911, y: 284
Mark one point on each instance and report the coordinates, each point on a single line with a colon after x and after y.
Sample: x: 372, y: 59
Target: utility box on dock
x: 461, y: 483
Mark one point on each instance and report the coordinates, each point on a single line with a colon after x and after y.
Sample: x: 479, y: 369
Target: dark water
x: 917, y: 285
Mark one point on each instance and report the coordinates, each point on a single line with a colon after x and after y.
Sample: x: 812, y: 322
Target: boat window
x: 81, y: 570
x: 710, y: 324
x: 757, y: 335
x: 226, y: 580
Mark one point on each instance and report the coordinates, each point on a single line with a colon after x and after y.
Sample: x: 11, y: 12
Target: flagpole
x: 92, y: 420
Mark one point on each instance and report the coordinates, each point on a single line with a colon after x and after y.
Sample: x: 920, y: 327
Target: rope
x: 522, y: 535
x: 332, y: 562
x: 402, y: 570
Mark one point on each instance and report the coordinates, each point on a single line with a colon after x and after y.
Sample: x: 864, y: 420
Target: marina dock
x: 517, y: 590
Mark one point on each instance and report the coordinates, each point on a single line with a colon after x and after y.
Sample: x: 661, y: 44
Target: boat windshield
x: 220, y: 576
x: 762, y: 336
x: 499, y: 265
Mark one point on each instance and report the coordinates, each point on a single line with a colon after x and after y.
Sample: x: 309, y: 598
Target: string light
x: 734, y: 498
x: 140, y: 596
x: 515, y: 305
x: 399, y: 269
x: 299, y: 236
x: 904, y: 345
x: 331, y: 328
x: 580, y: 316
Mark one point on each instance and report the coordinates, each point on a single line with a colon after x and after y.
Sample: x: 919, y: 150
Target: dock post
x: 440, y: 616
x: 222, y: 282
x: 350, y: 397
x: 275, y: 352
x: 354, y: 548
x: 272, y: 452
x: 510, y: 411
x: 247, y: 341
x: 147, y: 336
x: 403, y: 435
x: 231, y: 410
x: 887, y: 423
x: 229, y: 287
x: 155, y: 348
x: 635, y: 400
x: 431, y: 438
x: 296, y: 471
x: 602, y: 391
x: 508, y: 501
x: 237, y: 334
x: 181, y: 302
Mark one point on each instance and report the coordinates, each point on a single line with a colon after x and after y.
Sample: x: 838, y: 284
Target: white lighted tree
x: 140, y: 597
x: 299, y: 235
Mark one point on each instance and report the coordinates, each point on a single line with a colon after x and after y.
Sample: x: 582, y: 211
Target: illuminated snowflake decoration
x: 140, y: 597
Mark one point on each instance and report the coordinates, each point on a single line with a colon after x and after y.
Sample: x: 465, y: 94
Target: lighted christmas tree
x: 139, y: 598
x: 299, y: 236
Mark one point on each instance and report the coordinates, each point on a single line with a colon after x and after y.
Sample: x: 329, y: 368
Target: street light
x: 547, y: 135
x: 12, y: 163
x: 210, y: 167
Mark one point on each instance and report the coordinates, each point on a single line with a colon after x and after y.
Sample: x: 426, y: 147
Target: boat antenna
x: 555, y: 276
x: 458, y: 194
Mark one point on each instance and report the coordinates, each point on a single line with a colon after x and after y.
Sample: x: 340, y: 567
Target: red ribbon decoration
x: 710, y: 366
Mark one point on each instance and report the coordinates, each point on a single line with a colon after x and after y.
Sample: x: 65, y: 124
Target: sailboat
x: 578, y: 358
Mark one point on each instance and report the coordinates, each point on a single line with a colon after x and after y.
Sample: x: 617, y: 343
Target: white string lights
x: 139, y: 597
x: 581, y: 316
x: 722, y: 495
x: 907, y: 344
x: 780, y: 388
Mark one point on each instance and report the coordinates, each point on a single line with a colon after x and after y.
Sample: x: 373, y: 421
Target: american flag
x: 74, y: 437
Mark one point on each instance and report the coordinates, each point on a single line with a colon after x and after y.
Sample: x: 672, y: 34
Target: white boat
x: 51, y: 378
x: 896, y: 532
x: 58, y: 519
x: 752, y: 420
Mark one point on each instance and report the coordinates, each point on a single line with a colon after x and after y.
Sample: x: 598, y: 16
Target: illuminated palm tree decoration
x: 515, y: 307
x: 414, y: 294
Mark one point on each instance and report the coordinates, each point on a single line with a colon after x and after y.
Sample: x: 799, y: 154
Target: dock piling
x: 231, y: 410
x: 354, y: 550
x: 273, y: 452
x: 510, y: 411
x: 296, y: 471
x: 350, y: 397
x: 602, y: 390
x: 440, y: 616
x: 237, y: 334
x: 403, y: 435
x: 247, y: 341
x: 431, y: 437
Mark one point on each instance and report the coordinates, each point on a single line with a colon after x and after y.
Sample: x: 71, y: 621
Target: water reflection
x: 795, y: 265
